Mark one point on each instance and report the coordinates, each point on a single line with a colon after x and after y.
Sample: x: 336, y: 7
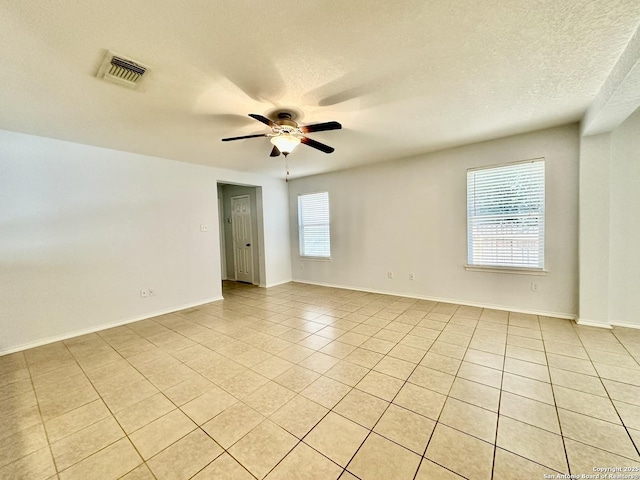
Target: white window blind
x: 313, y: 222
x: 505, y: 215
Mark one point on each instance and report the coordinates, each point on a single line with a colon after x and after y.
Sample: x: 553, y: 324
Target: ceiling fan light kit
x: 286, y: 135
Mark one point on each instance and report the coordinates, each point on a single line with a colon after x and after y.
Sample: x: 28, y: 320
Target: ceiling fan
x: 287, y: 135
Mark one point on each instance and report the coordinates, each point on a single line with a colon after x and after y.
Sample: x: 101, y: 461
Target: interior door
x: 242, y: 247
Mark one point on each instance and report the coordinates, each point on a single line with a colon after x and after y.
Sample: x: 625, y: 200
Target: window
x: 313, y: 222
x: 505, y: 216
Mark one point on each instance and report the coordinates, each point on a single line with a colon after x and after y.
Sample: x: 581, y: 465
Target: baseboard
x: 590, y: 323
x: 626, y: 325
x: 567, y: 316
x: 104, y: 326
x: 269, y: 285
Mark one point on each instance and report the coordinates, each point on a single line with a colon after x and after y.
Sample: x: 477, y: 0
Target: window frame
x: 512, y: 269
x: 301, y: 254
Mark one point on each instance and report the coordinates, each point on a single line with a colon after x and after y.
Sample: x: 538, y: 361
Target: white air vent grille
x: 123, y: 71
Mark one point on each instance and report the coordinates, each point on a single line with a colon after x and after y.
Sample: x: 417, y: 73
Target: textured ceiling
x: 403, y: 77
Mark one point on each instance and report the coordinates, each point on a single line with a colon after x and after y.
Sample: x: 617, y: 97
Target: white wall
x: 624, y: 273
x: 83, y: 229
x: 410, y: 216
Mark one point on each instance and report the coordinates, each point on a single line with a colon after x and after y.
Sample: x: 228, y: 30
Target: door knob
x: 248, y: 245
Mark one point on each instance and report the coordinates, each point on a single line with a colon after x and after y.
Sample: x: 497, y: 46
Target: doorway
x: 242, y: 233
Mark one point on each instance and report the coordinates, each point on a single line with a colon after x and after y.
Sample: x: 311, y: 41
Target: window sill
x: 316, y: 259
x: 512, y: 270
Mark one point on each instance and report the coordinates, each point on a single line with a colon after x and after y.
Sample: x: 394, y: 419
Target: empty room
x: 319, y: 240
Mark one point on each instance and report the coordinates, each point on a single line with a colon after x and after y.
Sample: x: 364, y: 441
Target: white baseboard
x: 590, y: 323
x: 567, y: 316
x: 625, y: 325
x: 105, y: 326
x: 275, y: 284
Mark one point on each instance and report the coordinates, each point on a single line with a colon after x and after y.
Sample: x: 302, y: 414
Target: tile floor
x: 300, y: 381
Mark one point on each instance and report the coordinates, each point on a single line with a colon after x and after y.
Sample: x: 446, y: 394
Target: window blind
x: 505, y: 215
x: 313, y: 223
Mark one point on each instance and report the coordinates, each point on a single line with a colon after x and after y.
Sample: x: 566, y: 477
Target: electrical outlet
x: 204, y: 227
x: 390, y: 275
x: 152, y: 292
x: 534, y: 287
x: 144, y: 293
x: 412, y: 276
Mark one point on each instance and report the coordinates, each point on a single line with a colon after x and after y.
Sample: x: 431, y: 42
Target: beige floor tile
x: 185, y: 458
x: 532, y: 443
x: 480, y: 374
x: 567, y: 349
x: 432, y: 379
x: 406, y: 428
x: 526, y: 354
x: 494, y: 345
x: 326, y: 392
x: 635, y: 436
x: 347, y: 373
x: 572, y: 364
x: 395, y: 367
x: 243, y: 383
x: 429, y: 471
x: 337, y: 438
x: 524, y: 342
x: 586, y: 404
x: 338, y: 349
x: 484, y: 358
x: 111, y: 462
x: 527, y: 369
x: 378, y: 345
x: 263, y: 447
x: 12, y: 388
x: 297, y: 378
x: 630, y: 414
x: 21, y: 444
x: 354, y: 338
x: 619, y: 374
x: 315, y: 342
x: 597, y: 433
x: 203, y: 408
x: 305, y: 463
x: 295, y: 353
x: 389, y: 335
x: 361, y: 407
x: 461, y: 453
x: 527, y: 387
x: 161, y: 433
x: 577, y: 381
x: 476, y: 394
x: 18, y: 420
x: 141, y: 472
x: 142, y: 413
x: 299, y: 415
x: 85, y: 442
x: 407, y: 353
x: 420, y: 400
x: 380, y: 385
x: 448, y: 350
x: 379, y: 458
x: 623, y: 392
x: 71, y: 422
x: 165, y: 379
x: 470, y: 419
x: 232, y: 424
x: 364, y: 358
x: 186, y: 391
x: 269, y: 398
x: 441, y: 363
x: 529, y: 411
x: 508, y: 466
x: 582, y: 458
x: 224, y: 468
x: 272, y: 367
x: 319, y: 362
x: 36, y: 465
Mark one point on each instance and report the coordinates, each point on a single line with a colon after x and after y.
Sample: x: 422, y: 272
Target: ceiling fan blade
x: 274, y: 152
x: 262, y: 119
x: 243, y: 137
x: 321, y: 127
x: 320, y: 146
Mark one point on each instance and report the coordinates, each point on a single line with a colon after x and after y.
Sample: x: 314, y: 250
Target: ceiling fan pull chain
x: 286, y: 167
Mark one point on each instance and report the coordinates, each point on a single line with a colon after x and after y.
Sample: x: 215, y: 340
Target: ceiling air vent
x: 123, y: 71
